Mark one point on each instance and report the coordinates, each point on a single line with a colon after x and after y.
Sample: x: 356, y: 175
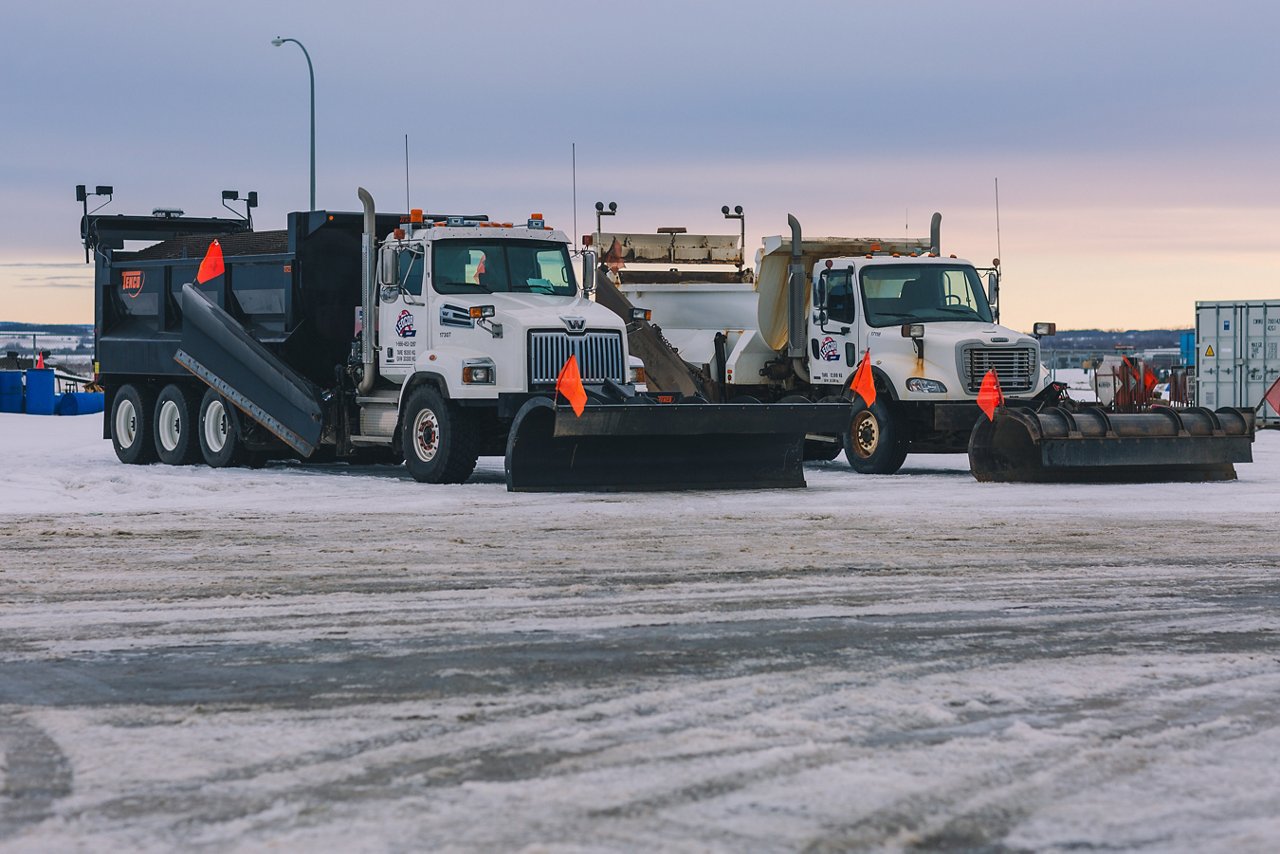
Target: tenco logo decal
x: 830, y: 352
x: 575, y: 324
x: 404, y: 325
x: 131, y: 283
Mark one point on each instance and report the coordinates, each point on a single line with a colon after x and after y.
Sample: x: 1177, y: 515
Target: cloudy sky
x: 1135, y: 142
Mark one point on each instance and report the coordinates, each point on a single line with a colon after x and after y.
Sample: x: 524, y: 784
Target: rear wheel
x: 829, y: 446
x: 220, y: 441
x: 876, y: 443
x: 440, y: 445
x: 176, y: 415
x: 131, y: 424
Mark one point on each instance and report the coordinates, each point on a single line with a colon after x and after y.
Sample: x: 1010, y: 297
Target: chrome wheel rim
x: 866, y: 434
x: 216, y: 427
x: 126, y: 423
x: 426, y: 435
x: 169, y: 428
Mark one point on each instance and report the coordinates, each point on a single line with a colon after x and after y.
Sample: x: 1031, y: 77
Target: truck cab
x: 489, y: 311
x: 932, y: 336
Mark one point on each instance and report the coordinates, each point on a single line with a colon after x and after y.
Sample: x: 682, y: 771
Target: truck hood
x: 532, y: 311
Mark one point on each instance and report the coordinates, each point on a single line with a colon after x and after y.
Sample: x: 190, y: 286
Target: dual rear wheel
x: 176, y: 427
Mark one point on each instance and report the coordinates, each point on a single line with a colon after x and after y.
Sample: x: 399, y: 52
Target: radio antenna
x: 999, y: 253
x: 406, y: 173
x: 574, y: 151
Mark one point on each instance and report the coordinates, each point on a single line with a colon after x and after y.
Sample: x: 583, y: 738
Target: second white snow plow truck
x: 798, y: 327
x: 432, y: 339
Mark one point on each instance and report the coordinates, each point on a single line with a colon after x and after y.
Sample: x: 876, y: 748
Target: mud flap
x: 219, y: 352
x: 635, y: 447
x: 1094, y: 446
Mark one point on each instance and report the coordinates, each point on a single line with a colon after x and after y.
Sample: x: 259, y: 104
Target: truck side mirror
x: 388, y: 269
x: 588, y: 272
x: 820, y: 291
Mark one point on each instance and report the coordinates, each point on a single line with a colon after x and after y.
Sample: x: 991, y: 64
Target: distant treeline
x: 1107, y: 339
x: 81, y: 329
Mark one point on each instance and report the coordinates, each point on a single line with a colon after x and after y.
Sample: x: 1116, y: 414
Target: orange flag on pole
x: 863, y: 384
x: 569, y: 385
x: 989, y: 395
x: 211, y: 267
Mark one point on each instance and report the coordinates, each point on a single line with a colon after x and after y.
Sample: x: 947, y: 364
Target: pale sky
x: 1136, y: 143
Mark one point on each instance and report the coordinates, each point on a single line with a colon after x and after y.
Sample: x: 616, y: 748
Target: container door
x: 1258, y: 358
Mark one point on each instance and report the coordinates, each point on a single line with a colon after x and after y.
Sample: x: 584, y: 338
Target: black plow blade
x: 631, y: 447
x: 1091, y: 445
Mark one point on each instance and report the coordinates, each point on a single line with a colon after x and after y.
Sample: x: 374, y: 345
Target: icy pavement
x: 336, y: 658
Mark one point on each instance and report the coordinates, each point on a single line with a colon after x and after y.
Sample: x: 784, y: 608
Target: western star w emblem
x: 574, y: 324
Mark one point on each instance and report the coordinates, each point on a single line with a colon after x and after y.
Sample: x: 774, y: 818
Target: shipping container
x: 1238, y: 354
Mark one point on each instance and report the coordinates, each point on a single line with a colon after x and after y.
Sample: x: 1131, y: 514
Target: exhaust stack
x: 935, y: 234
x: 368, y: 281
x: 796, y: 284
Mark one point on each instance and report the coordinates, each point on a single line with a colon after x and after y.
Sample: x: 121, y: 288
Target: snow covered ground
x: 337, y: 658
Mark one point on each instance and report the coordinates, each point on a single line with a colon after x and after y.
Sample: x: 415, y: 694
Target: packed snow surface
x: 338, y: 658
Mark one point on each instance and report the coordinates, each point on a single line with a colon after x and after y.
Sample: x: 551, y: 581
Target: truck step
x: 371, y: 440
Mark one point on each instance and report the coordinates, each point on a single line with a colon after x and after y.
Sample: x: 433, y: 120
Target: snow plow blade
x: 220, y: 353
x: 1091, y: 445
x: 679, y: 446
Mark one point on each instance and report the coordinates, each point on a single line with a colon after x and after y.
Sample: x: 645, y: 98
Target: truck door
x: 833, y: 326
x: 402, y: 311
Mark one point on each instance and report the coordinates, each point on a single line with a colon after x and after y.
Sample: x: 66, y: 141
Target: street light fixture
x: 278, y: 41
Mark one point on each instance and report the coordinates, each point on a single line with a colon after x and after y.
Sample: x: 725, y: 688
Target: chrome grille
x: 1016, y: 367
x: 599, y: 356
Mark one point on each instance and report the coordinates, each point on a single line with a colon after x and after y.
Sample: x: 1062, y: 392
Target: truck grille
x: 599, y: 356
x: 1016, y: 367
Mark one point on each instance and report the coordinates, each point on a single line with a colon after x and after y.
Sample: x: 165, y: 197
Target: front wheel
x: 439, y: 444
x: 876, y: 442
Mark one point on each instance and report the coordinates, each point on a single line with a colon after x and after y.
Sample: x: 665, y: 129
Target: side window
x: 410, y: 271
x: 840, y: 302
x: 956, y: 291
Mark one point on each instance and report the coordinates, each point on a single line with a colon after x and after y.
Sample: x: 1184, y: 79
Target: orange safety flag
x: 211, y: 267
x: 1148, y: 378
x: 1273, y: 395
x: 863, y: 384
x: 989, y: 395
x: 569, y: 385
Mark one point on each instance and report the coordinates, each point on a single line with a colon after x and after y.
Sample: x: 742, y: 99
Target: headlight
x: 920, y: 384
x: 479, y: 372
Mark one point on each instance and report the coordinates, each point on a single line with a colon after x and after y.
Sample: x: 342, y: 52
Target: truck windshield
x: 501, y: 266
x: 907, y: 293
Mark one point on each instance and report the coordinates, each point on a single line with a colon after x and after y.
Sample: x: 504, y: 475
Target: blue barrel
x: 40, y: 396
x: 10, y: 391
x: 80, y: 402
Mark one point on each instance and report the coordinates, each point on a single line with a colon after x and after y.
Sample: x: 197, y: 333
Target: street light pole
x: 277, y: 41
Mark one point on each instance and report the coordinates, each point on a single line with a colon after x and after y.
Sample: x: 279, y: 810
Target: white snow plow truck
x: 429, y: 338
x: 797, y: 328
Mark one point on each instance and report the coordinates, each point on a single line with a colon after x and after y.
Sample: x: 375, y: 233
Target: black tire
x: 176, y: 415
x: 439, y: 443
x: 876, y: 442
x: 221, y: 443
x: 132, y: 431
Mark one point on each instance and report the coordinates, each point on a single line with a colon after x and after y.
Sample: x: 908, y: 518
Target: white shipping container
x: 1238, y: 354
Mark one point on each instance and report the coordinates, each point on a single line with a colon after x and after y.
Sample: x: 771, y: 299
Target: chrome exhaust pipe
x: 368, y: 295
